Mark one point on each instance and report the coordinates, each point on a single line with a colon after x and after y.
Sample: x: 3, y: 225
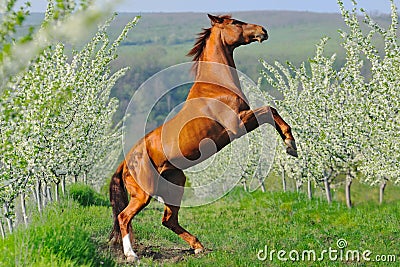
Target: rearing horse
x: 215, y: 112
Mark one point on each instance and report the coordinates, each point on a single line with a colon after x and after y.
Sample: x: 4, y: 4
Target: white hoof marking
x: 128, y: 251
x: 198, y: 250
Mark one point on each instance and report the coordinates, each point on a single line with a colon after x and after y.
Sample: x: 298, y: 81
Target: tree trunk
x: 48, y: 193
x: 349, y: 181
x: 63, y: 184
x: 57, y: 191
x: 298, y: 185
x: 244, y: 185
x: 328, y: 194
x: 39, y: 195
x: 8, y: 219
x: 85, y: 177
x: 309, y: 189
x: 382, y: 190
x: 23, y: 208
x: 44, y: 193
x: 3, y: 233
x: 262, y: 187
x: 284, y: 186
x: 75, y: 178
x: 34, y: 193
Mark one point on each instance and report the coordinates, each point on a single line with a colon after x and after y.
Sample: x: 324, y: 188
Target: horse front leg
x: 251, y: 119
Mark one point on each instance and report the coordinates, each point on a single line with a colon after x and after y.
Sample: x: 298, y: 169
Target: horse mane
x: 199, y: 45
x: 201, y: 40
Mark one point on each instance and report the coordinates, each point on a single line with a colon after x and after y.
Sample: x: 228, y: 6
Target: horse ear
x: 215, y: 19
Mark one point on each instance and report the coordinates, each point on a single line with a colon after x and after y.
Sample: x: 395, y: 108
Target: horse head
x: 235, y: 32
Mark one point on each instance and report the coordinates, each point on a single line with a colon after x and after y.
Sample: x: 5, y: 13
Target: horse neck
x: 224, y: 71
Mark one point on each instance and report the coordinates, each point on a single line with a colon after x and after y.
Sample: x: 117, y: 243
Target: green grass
x: 238, y: 226
x: 86, y: 196
x: 64, y: 235
x: 232, y: 229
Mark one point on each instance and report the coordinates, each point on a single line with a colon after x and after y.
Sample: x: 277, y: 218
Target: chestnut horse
x: 215, y: 112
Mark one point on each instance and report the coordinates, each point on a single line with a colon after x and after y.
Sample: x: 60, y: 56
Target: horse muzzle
x: 262, y: 36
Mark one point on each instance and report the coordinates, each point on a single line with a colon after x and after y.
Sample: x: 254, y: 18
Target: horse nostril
x: 265, y: 33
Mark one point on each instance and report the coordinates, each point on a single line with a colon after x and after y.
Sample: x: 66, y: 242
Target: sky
x: 139, y: 6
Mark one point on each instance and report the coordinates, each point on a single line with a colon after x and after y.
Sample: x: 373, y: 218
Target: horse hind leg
x: 139, y: 200
x: 171, y: 189
x: 170, y: 220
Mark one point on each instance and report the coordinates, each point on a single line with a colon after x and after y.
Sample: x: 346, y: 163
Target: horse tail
x: 119, y: 201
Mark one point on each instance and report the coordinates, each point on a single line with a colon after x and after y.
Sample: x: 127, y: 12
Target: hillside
x: 293, y: 35
x: 161, y: 40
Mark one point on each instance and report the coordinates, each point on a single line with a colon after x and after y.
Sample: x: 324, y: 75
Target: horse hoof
x: 291, y: 147
x: 198, y: 250
x: 292, y: 152
x: 132, y: 259
x: 291, y: 143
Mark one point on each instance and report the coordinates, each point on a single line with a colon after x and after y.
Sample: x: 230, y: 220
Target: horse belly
x: 183, y: 145
x: 196, y: 144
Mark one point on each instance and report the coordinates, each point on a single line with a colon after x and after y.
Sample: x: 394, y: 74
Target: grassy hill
x: 293, y: 36
x: 234, y: 230
x: 161, y: 40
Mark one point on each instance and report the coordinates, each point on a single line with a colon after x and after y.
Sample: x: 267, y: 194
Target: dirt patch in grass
x: 156, y: 254
x: 160, y: 254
